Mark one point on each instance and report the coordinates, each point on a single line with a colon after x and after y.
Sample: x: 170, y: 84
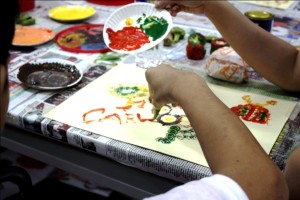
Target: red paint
x: 144, y: 120
x: 129, y: 117
x: 142, y: 103
x: 128, y: 39
x: 124, y: 107
x: 254, y: 113
x: 111, y: 117
x: 89, y: 112
x: 116, y: 116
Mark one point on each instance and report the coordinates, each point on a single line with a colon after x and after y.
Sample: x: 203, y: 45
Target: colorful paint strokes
x: 253, y: 112
x: 136, y: 34
x: 86, y: 38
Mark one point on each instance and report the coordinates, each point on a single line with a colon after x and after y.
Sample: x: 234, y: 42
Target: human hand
x: 170, y: 85
x: 174, y: 7
x: 160, y: 88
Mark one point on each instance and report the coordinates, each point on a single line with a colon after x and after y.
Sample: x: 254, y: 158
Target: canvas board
x: 116, y: 105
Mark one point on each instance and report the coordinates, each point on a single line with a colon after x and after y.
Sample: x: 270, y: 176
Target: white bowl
x: 116, y: 21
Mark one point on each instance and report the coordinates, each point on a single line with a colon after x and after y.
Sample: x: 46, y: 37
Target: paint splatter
x: 130, y: 91
x: 253, y: 112
x: 176, y: 132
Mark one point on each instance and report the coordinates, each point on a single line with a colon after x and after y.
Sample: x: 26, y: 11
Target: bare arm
x: 228, y: 145
x: 273, y: 58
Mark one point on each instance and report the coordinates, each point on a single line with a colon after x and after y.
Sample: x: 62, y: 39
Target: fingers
x: 170, y: 6
x: 152, y: 99
x: 151, y: 77
x: 159, y: 88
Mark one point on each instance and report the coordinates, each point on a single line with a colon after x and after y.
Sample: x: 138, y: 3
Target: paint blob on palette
x: 71, y: 13
x: 87, y: 38
x: 32, y: 36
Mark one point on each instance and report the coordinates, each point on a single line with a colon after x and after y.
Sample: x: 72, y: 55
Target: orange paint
x: 102, y: 110
x: 32, y: 35
x: 113, y: 116
x: 144, y: 120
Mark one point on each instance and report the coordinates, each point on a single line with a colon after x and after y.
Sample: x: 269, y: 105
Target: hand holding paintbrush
x: 156, y: 113
x: 160, y: 89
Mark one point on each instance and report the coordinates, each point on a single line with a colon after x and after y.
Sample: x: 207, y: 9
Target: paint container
x: 26, y: 5
x: 151, y: 57
x: 217, y: 43
x: 261, y: 18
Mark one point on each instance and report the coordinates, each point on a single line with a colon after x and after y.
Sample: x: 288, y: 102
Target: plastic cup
x: 26, y: 5
x: 150, y: 58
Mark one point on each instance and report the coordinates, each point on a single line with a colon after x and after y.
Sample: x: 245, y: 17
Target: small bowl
x: 49, y: 74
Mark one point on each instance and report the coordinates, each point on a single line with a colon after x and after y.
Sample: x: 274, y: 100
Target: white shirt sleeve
x: 215, y: 187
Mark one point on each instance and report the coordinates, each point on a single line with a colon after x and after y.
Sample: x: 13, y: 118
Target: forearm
x: 228, y: 145
x: 273, y: 58
x: 218, y: 129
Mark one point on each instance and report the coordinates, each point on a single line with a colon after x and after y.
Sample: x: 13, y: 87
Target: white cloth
x: 215, y: 187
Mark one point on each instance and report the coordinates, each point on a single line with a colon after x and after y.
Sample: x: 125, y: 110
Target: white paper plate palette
x: 135, y: 11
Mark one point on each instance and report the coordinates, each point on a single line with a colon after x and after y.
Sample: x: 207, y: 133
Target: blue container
x: 261, y: 18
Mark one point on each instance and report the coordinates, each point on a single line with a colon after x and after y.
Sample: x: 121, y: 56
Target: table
x: 126, y: 168
x: 98, y: 169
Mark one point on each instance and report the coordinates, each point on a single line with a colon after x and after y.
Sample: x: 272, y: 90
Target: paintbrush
x: 156, y: 112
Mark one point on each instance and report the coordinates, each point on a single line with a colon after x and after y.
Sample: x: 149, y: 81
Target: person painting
x: 278, y: 62
x: 244, y: 171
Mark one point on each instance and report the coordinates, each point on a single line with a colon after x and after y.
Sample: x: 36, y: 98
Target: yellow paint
x: 71, y: 12
x: 129, y: 21
x: 248, y: 100
x: 168, y: 119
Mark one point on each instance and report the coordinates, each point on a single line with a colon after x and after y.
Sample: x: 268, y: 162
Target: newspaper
x: 28, y: 106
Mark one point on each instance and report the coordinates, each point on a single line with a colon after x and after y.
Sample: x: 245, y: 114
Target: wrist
x: 186, y: 86
x: 213, y: 6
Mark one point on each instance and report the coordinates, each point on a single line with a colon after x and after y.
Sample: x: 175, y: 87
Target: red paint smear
x: 128, y: 38
x: 89, y: 112
x: 253, y: 114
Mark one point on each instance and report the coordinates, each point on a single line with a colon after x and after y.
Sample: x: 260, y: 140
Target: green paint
x: 175, y: 132
x: 154, y: 27
x: 156, y: 113
x: 127, y: 90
